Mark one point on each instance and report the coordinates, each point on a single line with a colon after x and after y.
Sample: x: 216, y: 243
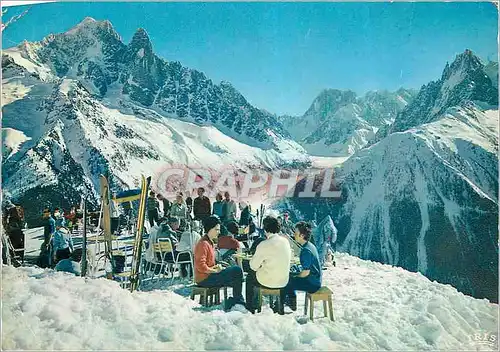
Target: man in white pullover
x: 270, y: 265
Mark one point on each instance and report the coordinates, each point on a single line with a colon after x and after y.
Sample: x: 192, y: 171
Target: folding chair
x: 162, y: 247
x: 15, y: 251
x: 177, y: 263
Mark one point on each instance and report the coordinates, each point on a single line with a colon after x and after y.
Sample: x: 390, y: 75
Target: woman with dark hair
x: 306, y: 277
x: 207, y: 273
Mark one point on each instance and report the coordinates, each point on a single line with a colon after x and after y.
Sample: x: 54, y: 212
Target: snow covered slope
x: 425, y: 199
x: 339, y: 123
x: 84, y: 138
x: 94, y: 53
x: 423, y: 194
x: 82, y: 103
x: 377, y: 307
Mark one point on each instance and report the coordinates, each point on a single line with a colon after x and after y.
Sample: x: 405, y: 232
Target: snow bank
x: 377, y: 307
x: 12, y: 140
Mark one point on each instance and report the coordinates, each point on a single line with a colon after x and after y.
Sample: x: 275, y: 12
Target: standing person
x: 166, y: 205
x: 152, y: 206
x: 308, y: 275
x: 202, y: 208
x: 332, y: 243
x: 207, y: 273
x: 49, y: 226
x: 179, y: 209
x: 13, y: 224
x: 217, y: 206
x: 245, y: 215
x: 287, y: 227
x: 270, y: 265
x: 71, y: 218
x: 189, y: 205
x: 59, y: 218
x: 228, y: 208
x: 63, y: 244
x: 323, y: 235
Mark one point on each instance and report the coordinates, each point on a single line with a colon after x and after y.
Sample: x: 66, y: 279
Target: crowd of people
x: 212, y: 233
x: 270, y: 265
x: 208, y: 235
x: 187, y: 209
x: 57, y: 241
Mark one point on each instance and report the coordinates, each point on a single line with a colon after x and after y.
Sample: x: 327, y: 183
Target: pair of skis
x: 136, y: 254
x: 261, y: 217
x: 106, y: 222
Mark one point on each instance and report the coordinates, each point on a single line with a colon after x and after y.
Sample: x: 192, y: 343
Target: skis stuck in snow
x: 136, y: 256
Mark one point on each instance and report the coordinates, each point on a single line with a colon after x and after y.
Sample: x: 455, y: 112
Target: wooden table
x: 100, y: 238
x: 127, y: 242
x: 243, y: 256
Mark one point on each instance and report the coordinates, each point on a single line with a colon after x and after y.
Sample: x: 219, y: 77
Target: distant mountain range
x: 82, y: 103
x: 419, y: 186
x: 425, y: 195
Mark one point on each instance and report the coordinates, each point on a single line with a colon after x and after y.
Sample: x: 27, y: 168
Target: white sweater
x: 271, y: 261
x: 188, y: 241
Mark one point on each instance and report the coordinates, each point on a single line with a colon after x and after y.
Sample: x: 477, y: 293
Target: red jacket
x: 227, y: 242
x: 204, y: 259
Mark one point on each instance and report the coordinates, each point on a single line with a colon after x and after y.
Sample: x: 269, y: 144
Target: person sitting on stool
x: 207, y: 274
x: 308, y: 276
x: 270, y: 265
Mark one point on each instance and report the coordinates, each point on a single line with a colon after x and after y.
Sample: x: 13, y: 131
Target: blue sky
x: 281, y: 55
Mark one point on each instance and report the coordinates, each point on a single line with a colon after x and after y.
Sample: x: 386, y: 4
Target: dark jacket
x: 152, y: 204
x: 245, y: 217
x: 48, y: 228
x: 202, y: 207
x: 166, y: 206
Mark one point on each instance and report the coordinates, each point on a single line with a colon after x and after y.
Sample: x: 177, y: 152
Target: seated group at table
x: 269, y: 267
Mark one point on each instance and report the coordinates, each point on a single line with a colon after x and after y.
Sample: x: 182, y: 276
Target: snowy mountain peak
x: 463, y: 63
x: 465, y: 81
x: 87, y: 20
x: 330, y: 100
x: 338, y: 123
x: 141, y: 40
x: 87, y: 24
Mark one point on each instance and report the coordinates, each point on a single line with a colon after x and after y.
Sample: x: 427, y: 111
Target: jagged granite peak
x: 339, y: 123
x: 140, y: 40
x: 464, y: 61
x: 93, y: 53
x: 463, y: 81
x: 329, y: 101
x: 422, y: 198
x: 92, y: 26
